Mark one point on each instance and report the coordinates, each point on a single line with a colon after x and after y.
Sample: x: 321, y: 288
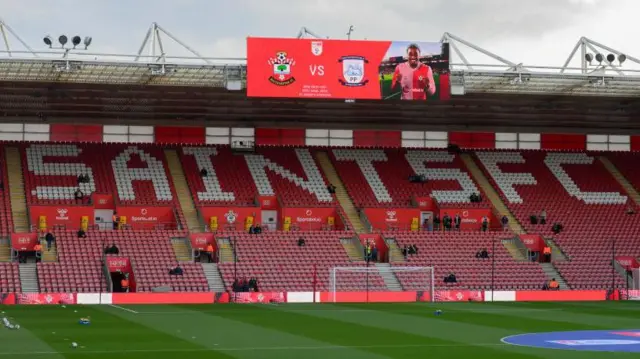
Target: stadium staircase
x: 225, y: 251
x: 514, y: 250
x: 181, y: 249
x: 557, y: 254
x: 389, y: 278
x: 5, y: 251
x: 395, y: 254
x: 183, y: 192
x: 626, y: 185
x: 491, y: 193
x: 551, y: 272
x: 51, y: 254
x: 341, y: 192
x: 16, y: 189
x: 29, y: 278
x: 214, y: 278
x: 355, y: 253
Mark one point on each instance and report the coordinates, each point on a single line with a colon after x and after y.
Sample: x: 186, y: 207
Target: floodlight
x: 588, y: 57
x: 87, y: 41
x: 47, y: 41
x: 76, y: 41
x: 611, y: 58
x: 599, y: 57
x: 622, y: 58
x: 63, y: 40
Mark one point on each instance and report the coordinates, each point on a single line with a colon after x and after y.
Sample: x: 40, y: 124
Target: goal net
x: 343, y: 281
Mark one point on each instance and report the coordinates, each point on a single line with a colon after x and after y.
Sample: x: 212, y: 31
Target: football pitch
x: 463, y: 330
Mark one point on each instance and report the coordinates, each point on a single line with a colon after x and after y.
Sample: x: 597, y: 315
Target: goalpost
x: 382, y: 279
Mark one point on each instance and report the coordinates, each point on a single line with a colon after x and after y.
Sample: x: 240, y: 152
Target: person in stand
x: 554, y: 285
x: 209, y: 252
x: 436, y: 223
x: 505, y: 223
x: 78, y: 194
x: 446, y: 221
x: 116, y: 220
x: 204, y: 172
x: 546, y: 254
x: 38, y: 249
x: 301, y: 242
x: 485, y: 223
x: 124, y: 283
x: 82, y: 233
x: 457, y: 221
x: 49, y: 238
x: 177, y: 270
x: 543, y: 217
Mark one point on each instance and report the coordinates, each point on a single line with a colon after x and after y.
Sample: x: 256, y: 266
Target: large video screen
x: 347, y: 69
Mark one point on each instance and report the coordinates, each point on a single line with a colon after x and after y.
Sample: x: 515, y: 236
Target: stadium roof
x: 497, y: 76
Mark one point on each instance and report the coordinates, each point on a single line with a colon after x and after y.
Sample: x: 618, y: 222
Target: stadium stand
x: 6, y: 223
x: 9, y: 278
x: 576, y: 191
x: 234, y: 179
x: 279, y: 264
x: 80, y: 262
x: 380, y: 177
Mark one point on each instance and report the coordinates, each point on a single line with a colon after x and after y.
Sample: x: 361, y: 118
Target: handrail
x: 105, y: 271
x: 365, y: 220
x: 521, y: 246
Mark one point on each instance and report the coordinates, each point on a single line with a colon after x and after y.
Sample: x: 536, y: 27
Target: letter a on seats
x: 155, y: 172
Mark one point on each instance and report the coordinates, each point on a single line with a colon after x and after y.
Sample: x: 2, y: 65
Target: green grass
x: 465, y: 330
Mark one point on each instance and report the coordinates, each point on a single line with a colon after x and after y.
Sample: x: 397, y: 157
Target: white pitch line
x: 123, y: 308
x: 245, y: 349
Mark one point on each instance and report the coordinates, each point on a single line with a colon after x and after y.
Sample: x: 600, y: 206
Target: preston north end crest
x: 353, y: 70
x: 282, y: 69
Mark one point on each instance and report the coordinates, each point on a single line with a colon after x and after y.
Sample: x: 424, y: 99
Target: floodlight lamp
x: 611, y: 58
x: 87, y: 41
x: 599, y: 58
x: 76, y: 41
x: 63, y: 40
x: 588, y: 57
x: 622, y: 58
x: 47, y: 41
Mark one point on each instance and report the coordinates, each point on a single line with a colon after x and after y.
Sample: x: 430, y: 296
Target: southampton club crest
x: 282, y: 69
x: 353, y: 71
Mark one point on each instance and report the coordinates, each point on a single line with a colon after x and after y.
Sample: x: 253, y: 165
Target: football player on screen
x: 415, y: 78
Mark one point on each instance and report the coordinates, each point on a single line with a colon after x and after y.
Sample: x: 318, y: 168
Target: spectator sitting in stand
x: 301, y: 242
x: 482, y: 254
x: 176, y: 271
x: 82, y: 233
x: 78, y: 195
x: 630, y: 210
x: 451, y: 279
x: 112, y: 250
x: 204, y: 172
x: 543, y: 217
x: 258, y: 229
x: 554, y: 285
x: 331, y: 189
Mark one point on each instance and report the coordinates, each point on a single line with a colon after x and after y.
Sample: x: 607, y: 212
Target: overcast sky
x: 538, y: 32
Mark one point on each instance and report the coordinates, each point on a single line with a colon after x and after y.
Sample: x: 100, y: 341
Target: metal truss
x: 496, y: 75
x: 6, y: 30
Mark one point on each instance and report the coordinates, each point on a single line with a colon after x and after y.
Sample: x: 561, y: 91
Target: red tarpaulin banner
x: 23, y: 241
x: 68, y: 216
x: 139, y: 217
x: 355, y: 69
x: 459, y: 296
x: 118, y: 264
x: 628, y: 262
x: 533, y: 242
x: 308, y: 218
x: 45, y: 298
x: 425, y: 203
x: 199, y: 241
x: 268, y: 202
x: 103, y: 201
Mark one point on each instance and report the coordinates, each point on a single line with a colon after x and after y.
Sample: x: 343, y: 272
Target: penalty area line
x: 123, y: 308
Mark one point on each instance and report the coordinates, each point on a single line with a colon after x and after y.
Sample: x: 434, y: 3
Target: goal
x: 382, y: 278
